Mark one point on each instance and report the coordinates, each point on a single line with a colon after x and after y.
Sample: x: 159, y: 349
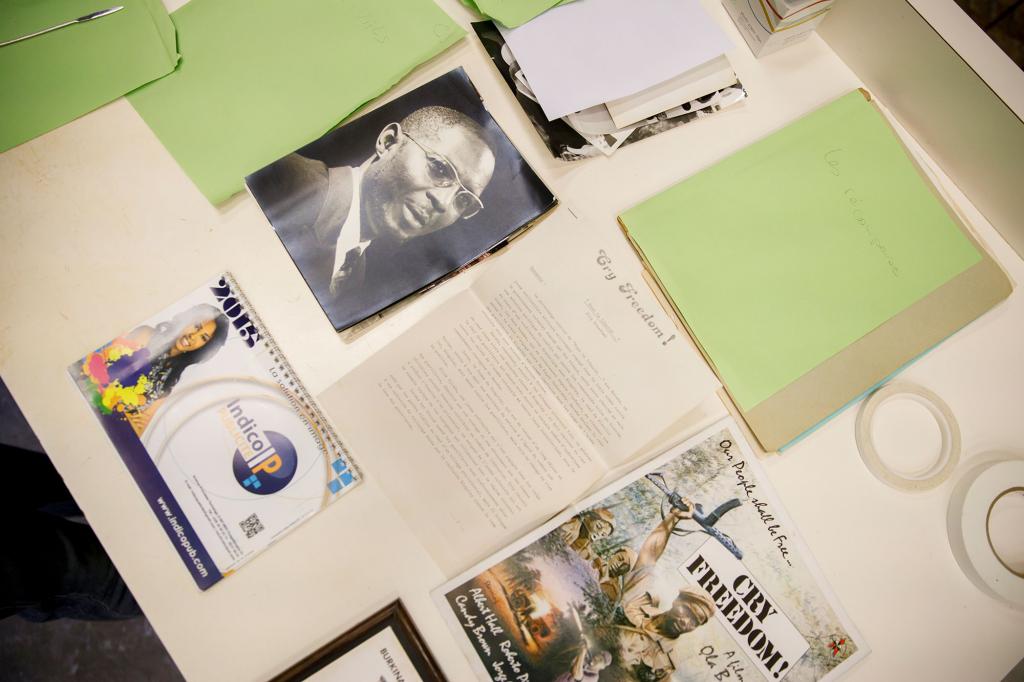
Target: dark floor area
x: 82, y: 651
x: 111, y: 651
x: 1003, y: 21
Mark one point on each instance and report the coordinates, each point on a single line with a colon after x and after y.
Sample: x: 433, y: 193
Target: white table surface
x: 100, y: 228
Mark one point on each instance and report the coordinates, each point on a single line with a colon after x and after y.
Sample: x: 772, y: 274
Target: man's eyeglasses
x: 442, y: 172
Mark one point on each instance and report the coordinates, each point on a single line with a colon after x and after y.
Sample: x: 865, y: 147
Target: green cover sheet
x: 790, y: 250
x: 54, y: 78
x: 512, y: 13
x: 260, y: 78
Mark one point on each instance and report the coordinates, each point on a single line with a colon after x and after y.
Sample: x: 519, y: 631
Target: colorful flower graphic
x: 117, y: 376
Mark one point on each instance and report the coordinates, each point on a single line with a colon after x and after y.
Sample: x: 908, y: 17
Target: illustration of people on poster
x: 686, y: 569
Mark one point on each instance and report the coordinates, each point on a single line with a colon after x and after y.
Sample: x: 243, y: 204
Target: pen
x: 82, y: 19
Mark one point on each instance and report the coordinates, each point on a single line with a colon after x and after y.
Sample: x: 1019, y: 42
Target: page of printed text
x: 465, y: 438
x: 513, y: 398
x: 573, y: 299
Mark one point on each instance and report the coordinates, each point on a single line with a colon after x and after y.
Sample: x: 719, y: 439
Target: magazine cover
x: 687, y: 569
x: 224, y: 442
x: 399, y: 198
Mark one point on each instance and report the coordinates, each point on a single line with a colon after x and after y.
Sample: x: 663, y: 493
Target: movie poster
x: 687, y: 569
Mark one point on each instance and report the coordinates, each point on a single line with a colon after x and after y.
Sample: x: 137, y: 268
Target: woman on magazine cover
x: 134, y: 374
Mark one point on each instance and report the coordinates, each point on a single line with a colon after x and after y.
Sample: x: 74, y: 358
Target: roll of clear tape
x: 949, y: 453
x: 967, y: 522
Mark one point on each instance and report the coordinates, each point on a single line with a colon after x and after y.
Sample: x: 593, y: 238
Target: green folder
x: 803, y: 246
x: 261, y: 78
x: 512, y: 13
x: 54, y: 78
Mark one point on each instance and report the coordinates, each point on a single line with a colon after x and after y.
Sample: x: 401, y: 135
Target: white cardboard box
x: 768, y: 25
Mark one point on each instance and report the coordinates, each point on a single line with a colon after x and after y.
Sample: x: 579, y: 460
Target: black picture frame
x: 395, y: 616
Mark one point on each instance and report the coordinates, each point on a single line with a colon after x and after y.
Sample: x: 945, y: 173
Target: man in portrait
x: 347, y: 227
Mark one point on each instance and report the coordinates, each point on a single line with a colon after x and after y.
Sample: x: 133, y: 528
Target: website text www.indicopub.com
x: 182, y: 538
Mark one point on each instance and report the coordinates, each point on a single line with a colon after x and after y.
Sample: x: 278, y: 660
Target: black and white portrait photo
x: 399, y: 198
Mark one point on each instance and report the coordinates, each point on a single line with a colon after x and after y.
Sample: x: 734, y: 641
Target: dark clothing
x: 295, y: 193
x: 51, y: 563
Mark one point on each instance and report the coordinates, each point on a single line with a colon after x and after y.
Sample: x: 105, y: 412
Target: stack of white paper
x: 607, y: 66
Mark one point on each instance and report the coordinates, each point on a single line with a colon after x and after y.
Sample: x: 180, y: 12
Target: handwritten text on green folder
x: 54, y: 78
x: 260, y: 78
x: 790, y: 250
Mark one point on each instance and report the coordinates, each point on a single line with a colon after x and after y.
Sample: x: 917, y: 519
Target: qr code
x: 251, y: 525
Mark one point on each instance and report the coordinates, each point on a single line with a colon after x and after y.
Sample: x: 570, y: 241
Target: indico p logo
x: 269, y: 470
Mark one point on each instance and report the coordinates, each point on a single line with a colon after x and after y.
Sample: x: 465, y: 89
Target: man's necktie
x: 347, y: 266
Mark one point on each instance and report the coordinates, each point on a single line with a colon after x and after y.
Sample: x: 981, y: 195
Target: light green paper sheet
x: 512, y: 13
x: 790, y: 250
x: 260, y: 78
x: 54, y: 78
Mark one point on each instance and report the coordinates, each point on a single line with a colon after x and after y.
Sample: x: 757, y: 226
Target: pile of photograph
x: 598, y: 103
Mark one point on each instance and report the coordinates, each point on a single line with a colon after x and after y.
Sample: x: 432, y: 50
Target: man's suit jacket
x: 295, y: 192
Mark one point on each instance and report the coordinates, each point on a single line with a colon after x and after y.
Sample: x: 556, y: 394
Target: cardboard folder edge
x: 831, y: 386
x: 837, y: 382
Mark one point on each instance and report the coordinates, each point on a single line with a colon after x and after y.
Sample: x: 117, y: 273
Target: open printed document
x: 520, y: 393
x: 686, y: 569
